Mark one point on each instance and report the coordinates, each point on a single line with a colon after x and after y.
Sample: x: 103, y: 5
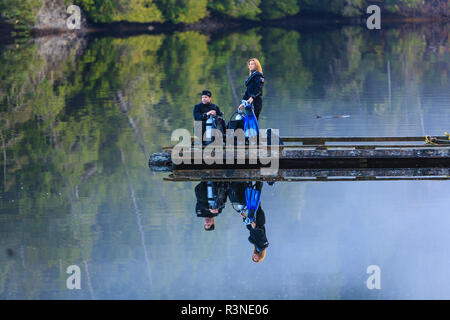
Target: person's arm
x: 245, y: 97
x: 198, y: 115
x: 200, y: 191
x: 256, y: 89
x: 218, y: 112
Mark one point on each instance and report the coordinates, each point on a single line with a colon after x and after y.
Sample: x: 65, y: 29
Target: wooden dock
x: 331, y: 153
x: 317, y: 175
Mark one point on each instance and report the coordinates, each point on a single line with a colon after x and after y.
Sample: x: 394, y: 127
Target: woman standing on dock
x: 254, y: 84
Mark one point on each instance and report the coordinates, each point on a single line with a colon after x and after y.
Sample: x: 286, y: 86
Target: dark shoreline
x: 213, y: 25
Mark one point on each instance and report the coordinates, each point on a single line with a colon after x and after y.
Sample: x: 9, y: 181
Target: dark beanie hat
x: 206, y: 93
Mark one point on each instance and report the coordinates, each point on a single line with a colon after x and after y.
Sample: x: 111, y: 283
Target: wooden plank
x: 414, y: 153
x: 320, y: 140
x: 314, y: 179
x: 355, y: 139
x: 373, y: 146
x: 255, y: 174
x: 327, y: 147
x: 312, y: 141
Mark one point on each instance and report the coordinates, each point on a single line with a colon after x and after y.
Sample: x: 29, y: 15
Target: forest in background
x: 190, y: 11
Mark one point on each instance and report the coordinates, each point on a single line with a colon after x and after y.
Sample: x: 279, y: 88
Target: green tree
x: 276, y: 9
x: 183, y: 11
x: 248, y: 9
x: 121, y: 10
x: 346, y: 8
x: 22, y: 12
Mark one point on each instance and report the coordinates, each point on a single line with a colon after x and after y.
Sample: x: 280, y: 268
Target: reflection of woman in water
x: 258, y: 236
x: 240, y: 194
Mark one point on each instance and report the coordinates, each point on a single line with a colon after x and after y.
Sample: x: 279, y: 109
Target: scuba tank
x: 236, y: 120
x: 240, y: 115
x: 238, y: 207
x: 210, y: 194
x: 209, y: 126
x: 237, y: 198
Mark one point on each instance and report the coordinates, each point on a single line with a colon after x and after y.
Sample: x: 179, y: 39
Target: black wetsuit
x: 202, y: 206
x: 200, y: 111
x: 254, y: 84
x: 258, y: 235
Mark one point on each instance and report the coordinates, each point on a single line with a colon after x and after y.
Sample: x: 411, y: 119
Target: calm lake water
x: 79, y: 119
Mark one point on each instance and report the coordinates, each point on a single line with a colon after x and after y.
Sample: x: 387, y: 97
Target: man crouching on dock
x: 203, y: 110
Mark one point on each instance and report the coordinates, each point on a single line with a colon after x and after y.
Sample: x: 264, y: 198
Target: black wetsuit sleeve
x: 200, y: 192
x: 198, y: 115
x: 258, y: 238
x: 218, y: 112
x: 256, y: 88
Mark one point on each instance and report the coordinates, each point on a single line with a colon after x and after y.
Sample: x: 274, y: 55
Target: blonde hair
x: 258, y: 64
x: 261, y: 255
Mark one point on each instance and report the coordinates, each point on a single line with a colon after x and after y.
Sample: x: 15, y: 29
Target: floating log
x: 160, y: 159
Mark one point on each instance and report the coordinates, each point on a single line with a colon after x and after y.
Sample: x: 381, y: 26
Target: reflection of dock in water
x: 298, y: 175
x: 334, y: 153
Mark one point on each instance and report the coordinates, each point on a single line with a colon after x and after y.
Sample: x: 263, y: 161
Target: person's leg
x: 257, y: 104
x: 260, y: 218
x: 257, y: 108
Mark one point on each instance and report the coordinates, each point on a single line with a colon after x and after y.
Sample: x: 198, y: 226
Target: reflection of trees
x: 65, y: 124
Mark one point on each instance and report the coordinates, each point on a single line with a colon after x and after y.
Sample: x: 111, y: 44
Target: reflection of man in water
x: 211, y: 198
x: 255, y: 220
